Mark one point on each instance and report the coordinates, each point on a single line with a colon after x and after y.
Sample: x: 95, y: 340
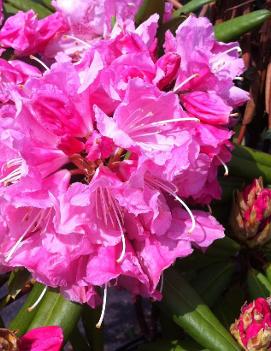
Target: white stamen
x: 123, y: 241
x: 161, y: 123
x: 241, y: 79
x: 40, y: 62
x: 78, y: 40
x: 172, y: 192
x: 187, y: 119
x: 210, y: 209
x: 236, y: 114
x: 235, y: 48
x: 15, y: 247
x: 31, y: 308
x: 224, y: 165
x: 188, y: 211
x: 176, y: 89
x: 16, y: 174
x: 98, y: 325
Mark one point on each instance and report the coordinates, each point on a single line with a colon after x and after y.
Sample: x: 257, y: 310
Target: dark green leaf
x: 164, y: 345
x: 55, y: 310
x: 90, y: 318
x: 17, y: 280
x: 24, y: 317
x: 148, y: 8
x: 213, y: 280
x: 228, y: 307
x: 25, y: 5
x: 193, y: 315
x: 78, y: 341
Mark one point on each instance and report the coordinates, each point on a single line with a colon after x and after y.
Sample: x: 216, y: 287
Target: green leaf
x: 191, y: 6
x: 148, y: 8
x: 54, y: 309
x: 252, y: 155
x: 90, y: 318
x: 193, y: 315
x: 268, y: 272
x: 234, y: 28
x: 24, y: 317
x: 17, y: 281
x: 25, y: 5
x: 213, y: 280
x: 258, y: 285
x: 249, y: 169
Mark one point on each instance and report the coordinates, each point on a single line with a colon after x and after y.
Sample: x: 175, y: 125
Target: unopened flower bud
x: 8, y: 340
x: 252, y: 329
x: 251, y: 214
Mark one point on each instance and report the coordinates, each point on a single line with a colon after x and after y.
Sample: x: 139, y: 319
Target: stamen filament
x: 193, y: 225
x: 123, y: 241
x: 176, y: 89
x: 31, y: 308
x: 237, y: 48
x: 172, y: 192
x: 224, y: 165
x: 99, y: 324
x: 40, y: 62
x: 78, y: 40
x: 15, y: 247
x: 193, y: 119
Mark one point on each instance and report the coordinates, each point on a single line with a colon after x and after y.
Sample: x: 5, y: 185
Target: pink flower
x: 42, y: 339
x: 39, y: 339
x: 206, y: 72
x: 27, y: 35
x: 89, y: 20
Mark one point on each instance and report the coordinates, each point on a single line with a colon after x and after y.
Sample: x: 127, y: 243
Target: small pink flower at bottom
x: 253, y: 327
x: 39, y: 339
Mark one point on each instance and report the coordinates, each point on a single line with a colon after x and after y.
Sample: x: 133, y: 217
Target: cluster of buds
x: 251, y: 214
x: 252, y: 329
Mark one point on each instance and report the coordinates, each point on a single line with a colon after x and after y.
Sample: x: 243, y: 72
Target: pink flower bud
x: 253, y: 327
x: 251, y: 214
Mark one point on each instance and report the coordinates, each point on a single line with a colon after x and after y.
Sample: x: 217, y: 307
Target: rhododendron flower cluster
x: 107, y: 146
